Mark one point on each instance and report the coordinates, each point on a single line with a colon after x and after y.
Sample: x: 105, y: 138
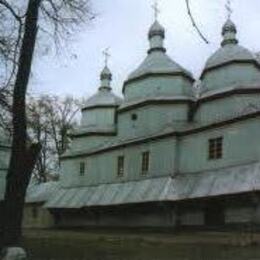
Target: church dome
x: 157, y: 61
x: 104, y: 97
x: 232, y: 64
x: 156, y: 30
x: 156, y: 65
x: 230, y: 50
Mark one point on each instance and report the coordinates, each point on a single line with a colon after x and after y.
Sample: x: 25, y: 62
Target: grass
x: 109, y: 245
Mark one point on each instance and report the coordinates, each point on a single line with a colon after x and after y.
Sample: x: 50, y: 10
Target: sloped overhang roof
x: 226, y: 181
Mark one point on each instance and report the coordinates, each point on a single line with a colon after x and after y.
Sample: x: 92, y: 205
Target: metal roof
x: 158, y: 62
x: 103, y: 98
x: 37, y: 193
x: 227, y: 54
x: 225, y: 181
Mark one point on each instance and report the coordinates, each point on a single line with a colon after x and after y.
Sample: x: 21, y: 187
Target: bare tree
x: 50, y: 119
x: 23, y: 24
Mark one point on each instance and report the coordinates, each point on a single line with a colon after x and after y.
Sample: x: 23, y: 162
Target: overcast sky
x: 122, y: 25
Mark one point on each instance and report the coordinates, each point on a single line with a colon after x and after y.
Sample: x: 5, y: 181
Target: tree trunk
x: 23, y: 158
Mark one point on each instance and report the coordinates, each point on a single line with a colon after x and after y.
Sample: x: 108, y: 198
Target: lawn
x: 99, y: 245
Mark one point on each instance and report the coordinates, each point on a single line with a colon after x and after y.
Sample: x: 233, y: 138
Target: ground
x: 108, y: 245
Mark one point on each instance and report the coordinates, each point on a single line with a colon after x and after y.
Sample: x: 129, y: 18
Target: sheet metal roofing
x: 232, y: 180
x: 227, y: 54
x: 38, y: 193
x: 158, y: 62
x: 230, y: 50
x: 103, y: 98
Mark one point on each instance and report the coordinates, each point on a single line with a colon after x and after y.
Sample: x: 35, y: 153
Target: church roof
x: 37, y: 193
x: 225, y: 181
x: 229, y: 53
x: 230, y: 50
x: 104, y: 97
x: 157, y: 61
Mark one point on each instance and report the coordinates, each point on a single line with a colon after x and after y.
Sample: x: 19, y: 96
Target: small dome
x: 230, y: 51
x: 156, y: 30
x: 106, y: 74
x: 104, y: 97
x: 229, y: 26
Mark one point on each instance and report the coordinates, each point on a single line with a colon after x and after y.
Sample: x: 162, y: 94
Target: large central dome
x: 158, y: 71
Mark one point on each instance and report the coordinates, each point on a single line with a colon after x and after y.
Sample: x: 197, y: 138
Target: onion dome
x: 104, y: 97
x: 230, y: 50
x: 157, y: 61
x: 230, y: 55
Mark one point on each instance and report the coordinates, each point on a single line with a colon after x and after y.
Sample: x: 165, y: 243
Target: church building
x: 168, y: 154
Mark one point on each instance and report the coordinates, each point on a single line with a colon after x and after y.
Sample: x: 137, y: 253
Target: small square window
x: 134, y: 117
x: 120, y: 166
x: 82, y: 169
x: 215, y: 148
x: 145, y: 162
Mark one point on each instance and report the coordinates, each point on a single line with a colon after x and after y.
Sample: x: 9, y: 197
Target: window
x: 82, y: 169
x: 215, y: 148
x: 134, y: 117
x: 145, y: 162
x: 120, y: 166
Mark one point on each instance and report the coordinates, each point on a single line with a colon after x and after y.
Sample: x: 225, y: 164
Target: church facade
x: 168, y: 154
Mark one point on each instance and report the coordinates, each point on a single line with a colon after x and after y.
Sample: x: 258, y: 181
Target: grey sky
x: 122, y: 25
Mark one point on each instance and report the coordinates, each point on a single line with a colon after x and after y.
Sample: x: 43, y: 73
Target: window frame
x: 82, y: 169
x: 145, y: 163
x: 215, y: 148
x: 120, y: 166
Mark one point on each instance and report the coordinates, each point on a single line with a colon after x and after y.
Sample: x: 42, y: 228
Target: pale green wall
x: 228, y: 107
x: 151, y: 119
x: 240, y: 146
x: 89, y: 142
x: 230, y: 75
x: 158, y: 86
x: 100, y: 117
x: 102, y: 168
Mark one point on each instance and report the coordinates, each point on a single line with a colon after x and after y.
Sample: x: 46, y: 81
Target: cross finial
x: 229, y: 8
x: 155, y: 6
x: 106, y: 55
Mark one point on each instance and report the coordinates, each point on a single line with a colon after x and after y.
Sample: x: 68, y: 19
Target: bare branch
x: 10, y: 8
x: 194, y: 23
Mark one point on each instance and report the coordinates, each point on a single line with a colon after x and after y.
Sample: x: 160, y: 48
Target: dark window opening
x: 134, y: 117
x: 82, y: 169
x: 120, y: 166
x: 145, y: 162
x: 216, y: 148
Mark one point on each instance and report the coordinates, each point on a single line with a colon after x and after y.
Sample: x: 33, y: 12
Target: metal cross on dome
x: 106, y: 55
x: 155, y: 6
x: 229, y: 8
